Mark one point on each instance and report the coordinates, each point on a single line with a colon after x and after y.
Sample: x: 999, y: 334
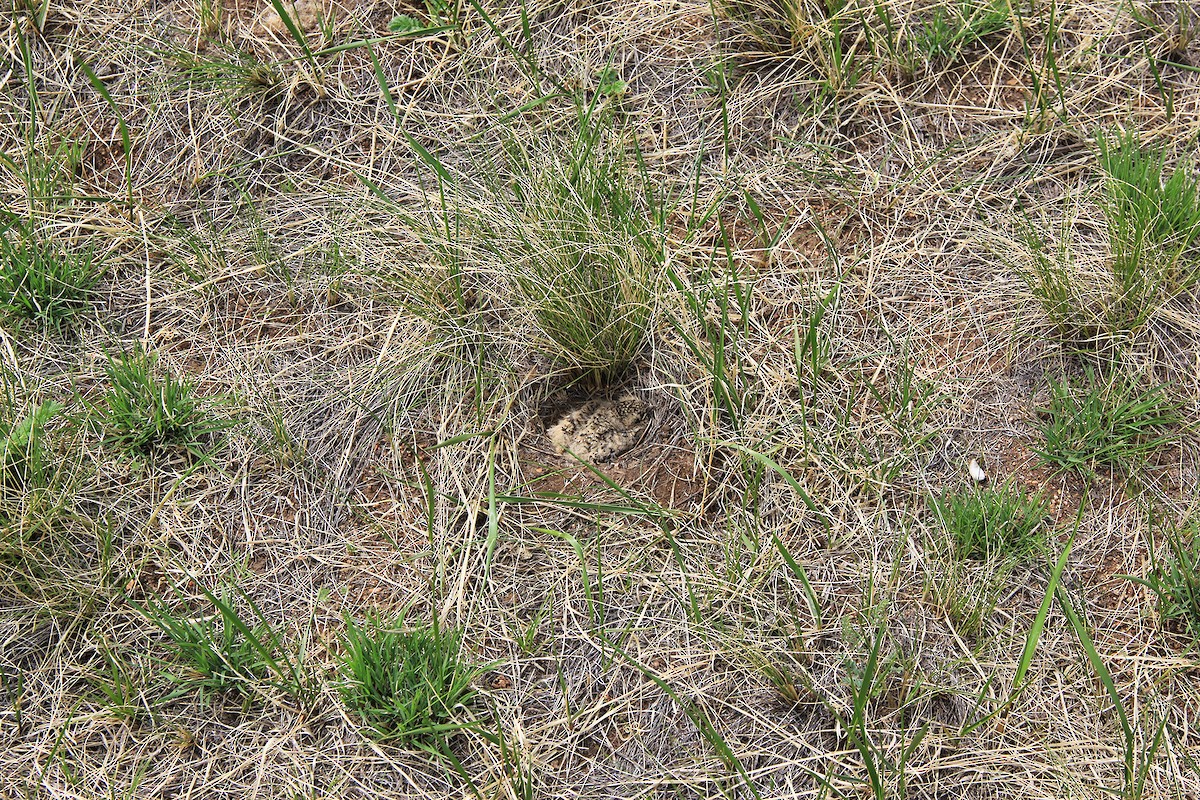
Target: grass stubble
x: 839, y: 249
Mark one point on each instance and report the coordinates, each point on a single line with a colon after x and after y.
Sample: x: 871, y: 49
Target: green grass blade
x: 810, y: 597
x: 783, y: 473
x: 296, y: 33
x: 1039, y: 622
x: 493, y: 515
x: 583, y: 570
x: 421, y: 151
x: 126, y: 141
x: 1102, y: 672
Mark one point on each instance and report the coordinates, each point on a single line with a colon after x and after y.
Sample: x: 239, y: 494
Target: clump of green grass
x: 965, y: 594
x: 1113, y: 423
x: 220, y: 656
x: 775, y: 24
x: 233, y: 73
x: 1175, y: 576
x: 36, y: 478
x: 448, y: 293
x: 33, y: 494
x: 1153, y: 223
x: 24, y: 447
x: 226, y: 651
x: 565, y: 238
x: 987, y: 524
x: 1173, y: 26
x: 580, y: 241
x: 952, y: 29
x: 406, y: 684
x: 44, y: 283
x: 51, y: 555
x: 828, y: 34
x: 143, y: 413
x: 118, y: 686
x: 1078, y: 311
x: 847, y: 41
x: 1160, y: 208
x: 438, y: 14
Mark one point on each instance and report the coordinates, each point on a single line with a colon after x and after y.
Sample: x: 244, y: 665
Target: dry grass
x: 757, y: 600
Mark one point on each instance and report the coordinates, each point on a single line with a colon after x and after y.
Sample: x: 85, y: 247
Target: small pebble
x: 977, y: 473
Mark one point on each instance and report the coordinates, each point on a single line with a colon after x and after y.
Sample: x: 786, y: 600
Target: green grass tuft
x: 45, y: 283
x: 226, y: 651
x: 987, y: 524
x: 1175, y: 577
x: 220, y: 657
x: 1153, y: 222
x: 1052, y: 275
x: 564, y: 243
x: 1113, y: 424
x: 235, y: 74
x: 406, y: 684
x: 775, y: 24
x: 952, y: 29
x: 583, y: 248
x: 829, y: 35
x: 25, y: 452
x: 51, y: 555
x: 142, y: 413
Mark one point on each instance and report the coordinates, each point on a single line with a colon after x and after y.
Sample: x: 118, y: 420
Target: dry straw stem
x: 688, y: 627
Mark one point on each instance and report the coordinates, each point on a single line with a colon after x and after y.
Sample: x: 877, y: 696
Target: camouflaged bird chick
x: 601, y: 430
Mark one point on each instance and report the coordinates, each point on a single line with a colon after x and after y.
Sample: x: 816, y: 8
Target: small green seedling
x: 609, y: 83
x: 23, y: 445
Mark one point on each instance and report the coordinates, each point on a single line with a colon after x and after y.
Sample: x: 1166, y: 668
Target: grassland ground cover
x: 293, y: 293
